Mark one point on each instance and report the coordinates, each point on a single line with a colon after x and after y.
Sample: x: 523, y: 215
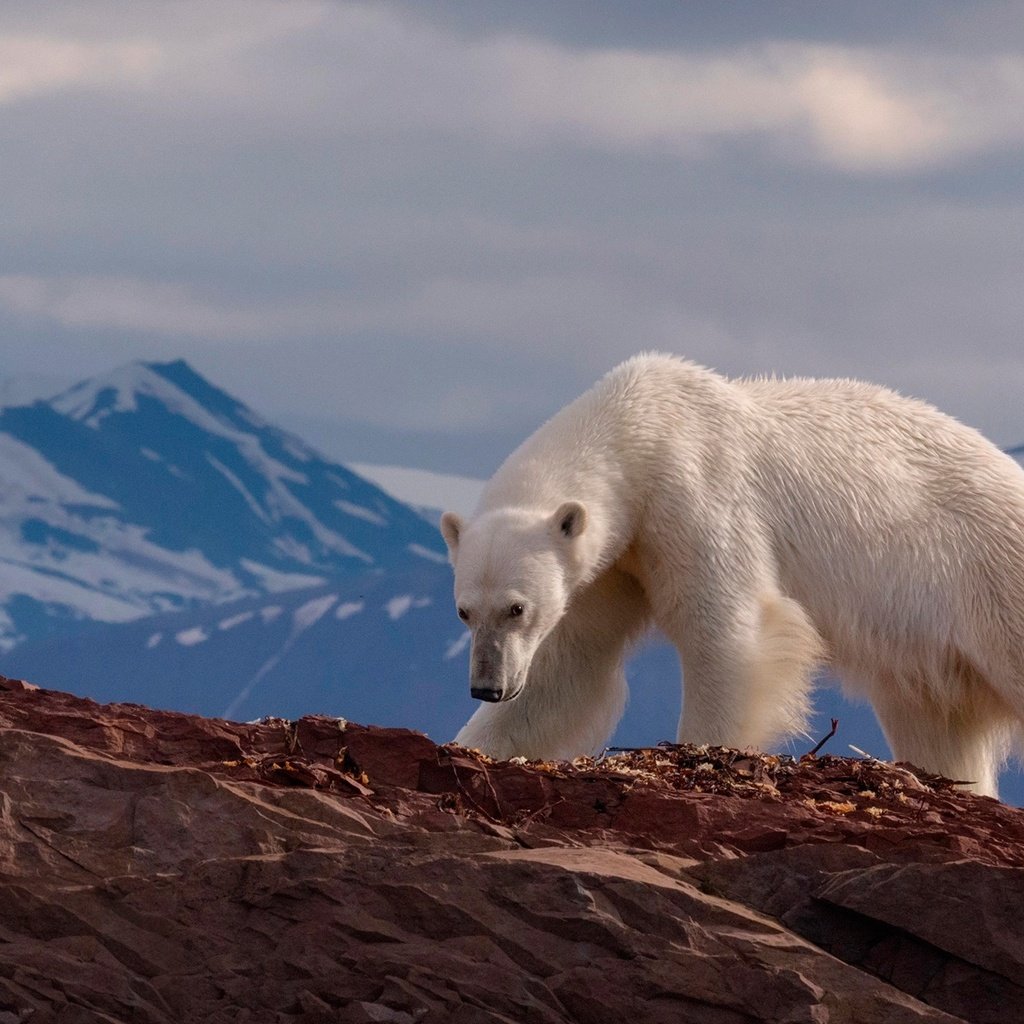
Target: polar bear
x: 766, y: 527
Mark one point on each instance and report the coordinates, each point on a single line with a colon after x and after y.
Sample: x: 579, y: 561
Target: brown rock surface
x: 157, y: 867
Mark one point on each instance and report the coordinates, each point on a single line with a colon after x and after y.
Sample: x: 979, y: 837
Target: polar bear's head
x: 515, y: 571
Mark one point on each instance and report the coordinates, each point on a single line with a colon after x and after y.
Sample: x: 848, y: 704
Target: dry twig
x: 824, y: 739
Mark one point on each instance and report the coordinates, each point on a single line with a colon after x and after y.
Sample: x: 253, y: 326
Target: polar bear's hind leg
x: 967, y: 741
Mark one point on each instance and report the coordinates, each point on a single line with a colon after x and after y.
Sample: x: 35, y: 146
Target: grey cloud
x: 705, y: 24
x: 435, y: 219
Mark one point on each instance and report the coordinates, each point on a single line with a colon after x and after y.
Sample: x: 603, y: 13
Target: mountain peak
x: 178, y: 364
x: 92, y: 400
x: 187, y: 379
x: 175, y: 385
x: 148, y: 488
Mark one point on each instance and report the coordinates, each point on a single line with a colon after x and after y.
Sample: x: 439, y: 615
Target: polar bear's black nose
x: 485, y: 693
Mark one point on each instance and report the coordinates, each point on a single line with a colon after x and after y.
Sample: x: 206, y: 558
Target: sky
x: 413, y: 230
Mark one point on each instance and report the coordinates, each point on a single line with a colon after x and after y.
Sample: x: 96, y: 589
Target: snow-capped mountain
x: 150, y: 489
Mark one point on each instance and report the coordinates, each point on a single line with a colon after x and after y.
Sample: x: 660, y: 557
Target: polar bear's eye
x: 463, y: 614
x: 515, y: 611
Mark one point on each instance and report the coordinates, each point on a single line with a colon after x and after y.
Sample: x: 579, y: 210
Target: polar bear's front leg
x: 748, y: 668
x: 576, y: 690
x: 573, y: 698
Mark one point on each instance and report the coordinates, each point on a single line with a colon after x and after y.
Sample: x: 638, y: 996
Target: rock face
x: 157, y: 867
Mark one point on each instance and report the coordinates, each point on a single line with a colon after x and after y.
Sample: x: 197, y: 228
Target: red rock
x: 157, y: 867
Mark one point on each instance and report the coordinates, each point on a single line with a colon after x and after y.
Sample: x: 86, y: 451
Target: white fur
x: 764, y: 526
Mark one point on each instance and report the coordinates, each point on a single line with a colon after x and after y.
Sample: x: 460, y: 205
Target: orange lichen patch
x: 836, y: 807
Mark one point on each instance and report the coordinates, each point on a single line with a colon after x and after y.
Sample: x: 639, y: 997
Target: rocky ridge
x: 158, y: 867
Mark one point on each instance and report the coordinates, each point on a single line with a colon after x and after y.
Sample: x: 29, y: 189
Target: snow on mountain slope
x: 425, y: 490
x: 150, y: 489
x: 60, y: 543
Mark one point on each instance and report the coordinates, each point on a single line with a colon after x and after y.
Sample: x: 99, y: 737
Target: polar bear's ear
x: 451, y: 527
x: 570, y: 519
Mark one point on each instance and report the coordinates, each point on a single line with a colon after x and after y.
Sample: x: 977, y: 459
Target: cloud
x: 33, y: 65
x: 528, y: 314
x: 854, y: 109
x: 323, y: 169
x: 124, y: 304
x: 857, y: 110
x: 366, y: 69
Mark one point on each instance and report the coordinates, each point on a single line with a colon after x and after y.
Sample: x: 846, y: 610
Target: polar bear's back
x: 889, y: 458
x: 894, y: 523
x: 881, y: 456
